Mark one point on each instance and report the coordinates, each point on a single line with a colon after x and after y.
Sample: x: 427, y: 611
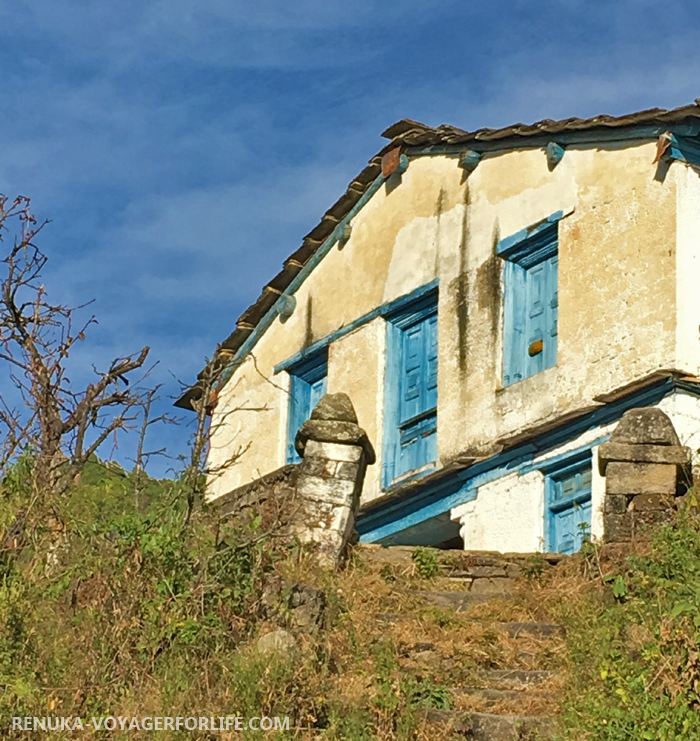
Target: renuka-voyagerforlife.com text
x: 150, y: 723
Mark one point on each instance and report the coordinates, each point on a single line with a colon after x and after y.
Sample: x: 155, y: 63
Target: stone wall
x: 316, y: 500
x: 646, y: 471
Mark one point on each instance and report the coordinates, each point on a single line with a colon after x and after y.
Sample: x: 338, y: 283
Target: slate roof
x: 410, y: 134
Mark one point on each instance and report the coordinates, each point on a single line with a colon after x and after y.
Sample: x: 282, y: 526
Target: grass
x: 119, y: 611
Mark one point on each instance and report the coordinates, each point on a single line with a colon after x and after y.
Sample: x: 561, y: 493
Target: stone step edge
x: 493, y: 725
x: 518, y: 676
x: 456, y: 600
x: 513, y: 629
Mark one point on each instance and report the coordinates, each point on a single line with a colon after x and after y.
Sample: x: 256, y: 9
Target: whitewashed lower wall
x: 508, y: 514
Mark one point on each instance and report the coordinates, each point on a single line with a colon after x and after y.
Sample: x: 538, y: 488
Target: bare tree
x: 60, y: 426
x: 147, y: 421
x: 200, y: 470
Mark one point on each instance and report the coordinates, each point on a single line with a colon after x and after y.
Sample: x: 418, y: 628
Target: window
x: 568, y: 508
x: 531, y: 301
x: 308, y: 385
x: 410, y: 436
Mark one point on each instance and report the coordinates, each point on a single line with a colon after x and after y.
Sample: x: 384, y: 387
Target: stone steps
x: 491, y: 696
x: 517, y: 677
x: 544, y: 630
x: 494, y: 727
x: 514, y: 693
x: 457, y: 600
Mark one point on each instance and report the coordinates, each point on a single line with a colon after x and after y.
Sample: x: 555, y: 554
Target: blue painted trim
x: 303, y: 274
x: 507, y: 245
x: 430, y: 499
x: 402, y: 166
x: 684, y: 149
x: 469, y: 159
x: 285, y: 307
x: 555, y: 154
x: 555, y: 462
x: 396, y: 305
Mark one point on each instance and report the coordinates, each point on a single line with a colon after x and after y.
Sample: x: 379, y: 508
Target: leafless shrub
x: 61, y: 427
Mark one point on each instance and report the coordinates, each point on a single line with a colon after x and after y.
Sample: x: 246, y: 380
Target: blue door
x: 569, y: 509
x: 417, y: 440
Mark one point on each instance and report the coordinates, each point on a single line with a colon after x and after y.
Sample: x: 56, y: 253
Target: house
x: 492, y: 302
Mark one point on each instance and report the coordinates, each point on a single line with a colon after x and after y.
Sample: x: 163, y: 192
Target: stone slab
x: 651, y: 502
x: 616, y: 504
x: 612, y: 451
x: 457, y: 600
x: 645, y: 426
x: 641, y: 478
x: 518, y: 676
x: 494, y: 727
x: 491, y: 585
x: 333, y: 451
x: 332, y: 490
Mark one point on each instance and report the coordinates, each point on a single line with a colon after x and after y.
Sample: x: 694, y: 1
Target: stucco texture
x: 617, y: 299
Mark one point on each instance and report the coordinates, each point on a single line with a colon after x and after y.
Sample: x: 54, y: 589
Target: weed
x: 535, y: 567
x: 426, y: 561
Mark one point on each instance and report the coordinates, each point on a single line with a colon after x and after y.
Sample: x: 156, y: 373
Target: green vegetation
x: 120, y: 606
x: 114, y: 608
x: 634, y: 641
x: 427, y: 562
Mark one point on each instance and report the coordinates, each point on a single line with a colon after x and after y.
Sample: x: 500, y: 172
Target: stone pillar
x: 646, y: 469
x: 335, y: 453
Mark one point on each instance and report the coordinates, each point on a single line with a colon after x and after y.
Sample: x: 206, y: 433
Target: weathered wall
x: 364, y: 348
x: 617, y: 297
x: 508, y: 514
x: 688, y: 270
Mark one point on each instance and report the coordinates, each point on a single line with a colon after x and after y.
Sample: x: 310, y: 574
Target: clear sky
x: 183, y: 148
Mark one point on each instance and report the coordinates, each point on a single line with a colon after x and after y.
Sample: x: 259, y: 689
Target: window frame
x: 531, y: 251
x: 407, y: 316
x: 554, y: 474
x: 303, y: 377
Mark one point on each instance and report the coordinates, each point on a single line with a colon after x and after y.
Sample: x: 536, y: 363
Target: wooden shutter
x: 514, y: 346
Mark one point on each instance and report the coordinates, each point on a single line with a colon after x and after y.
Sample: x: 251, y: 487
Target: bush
x: 635, y: 646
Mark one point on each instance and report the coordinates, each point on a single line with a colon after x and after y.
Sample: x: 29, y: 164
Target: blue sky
x: 182, y: 149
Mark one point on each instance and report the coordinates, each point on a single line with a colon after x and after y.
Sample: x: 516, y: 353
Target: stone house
x: 492, y: 302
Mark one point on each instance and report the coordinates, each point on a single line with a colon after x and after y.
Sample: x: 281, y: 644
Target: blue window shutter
x: 308, y: 385
x: 410, y: 422
x: 316, y: 391
x: 392, y: 402
x: 530, y: 301
x: 552, y: 296
x: 298, y: 413
x: 430, y: 401
x: 412, y: 380
x: 536, y: 281
x: 514, y: 347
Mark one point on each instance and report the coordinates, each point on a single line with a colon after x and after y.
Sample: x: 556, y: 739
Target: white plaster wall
x: 364, y: 348
x: 684, y: 411
x: 688, y: 268
x: 508, y: 514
